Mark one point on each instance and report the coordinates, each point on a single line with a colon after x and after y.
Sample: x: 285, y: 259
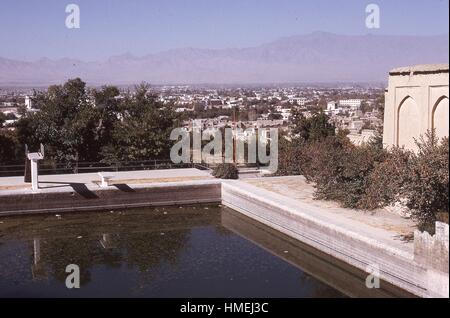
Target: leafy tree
x: 199, y: 107
x: 99, y: 125
x: 2, y: 119
x: 314, y: 128
x: 108, y: 107
x: 66, y: 123
x: 26, y: 131
x: 426, y: 187
x: 387, y: 180
x: 322, y: 103
x: 341, y: 171
x: 144, y: 129
x: 365, y: 107
x: 419, y: 180
x: 290, y: 154
x: 275, y: 116
x: 9, y: 147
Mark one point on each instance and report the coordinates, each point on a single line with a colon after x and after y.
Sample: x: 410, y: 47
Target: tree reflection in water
x: 190, y: 251
x: 143, y: 239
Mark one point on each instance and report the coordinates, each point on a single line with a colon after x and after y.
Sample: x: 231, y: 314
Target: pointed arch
x: 440, y: 114
x: 408, y: 123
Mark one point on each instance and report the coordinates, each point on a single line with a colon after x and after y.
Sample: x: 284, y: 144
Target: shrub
x: 368, y: 176
x: 426, y: 188
x: 387, y: 180
x: 314, y: 128
x: 10, y: 150
x: 418, y: 180
x: 226, y: 171
x: 341, y: 171
x: 289, y: 161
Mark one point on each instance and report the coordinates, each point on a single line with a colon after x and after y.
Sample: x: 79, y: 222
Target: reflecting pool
x: 188, y: 251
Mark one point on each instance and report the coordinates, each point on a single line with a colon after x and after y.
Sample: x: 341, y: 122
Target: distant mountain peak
x: 315, y: 57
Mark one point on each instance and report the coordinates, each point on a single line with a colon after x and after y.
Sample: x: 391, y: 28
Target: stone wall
x: 397, y: 267
x: 416, y: 101
x: 112, y: 198
x: 432, y: 251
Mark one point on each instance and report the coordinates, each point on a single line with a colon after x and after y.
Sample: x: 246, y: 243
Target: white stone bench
x: 106, y: 177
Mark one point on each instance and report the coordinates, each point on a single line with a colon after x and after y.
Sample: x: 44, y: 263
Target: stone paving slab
x: 16, y: 185
x: 383, y: 223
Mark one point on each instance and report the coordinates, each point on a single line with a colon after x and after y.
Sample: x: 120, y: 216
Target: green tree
x: 143, y: 132
x: 426, y: 187
x: 66, y: 123
x: 275, y: 116
x: 313, y: 128
x: 419, y: 180
x: 9, y: 147
x: 2, y: 119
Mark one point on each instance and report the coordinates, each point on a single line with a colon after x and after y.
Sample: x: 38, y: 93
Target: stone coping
x: 420, y: 69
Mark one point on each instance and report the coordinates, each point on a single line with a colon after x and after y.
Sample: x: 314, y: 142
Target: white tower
x: 28, y: 102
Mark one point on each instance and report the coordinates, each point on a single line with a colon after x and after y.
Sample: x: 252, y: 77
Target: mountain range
x: 316, y: 57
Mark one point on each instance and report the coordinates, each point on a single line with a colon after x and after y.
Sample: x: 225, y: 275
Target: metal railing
x: 46, y: 168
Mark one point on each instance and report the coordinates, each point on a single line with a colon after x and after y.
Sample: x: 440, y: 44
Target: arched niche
x: 440, y: 117
x: 408, y: 127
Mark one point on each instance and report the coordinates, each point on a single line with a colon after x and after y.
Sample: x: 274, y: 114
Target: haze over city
x: 217, y: 42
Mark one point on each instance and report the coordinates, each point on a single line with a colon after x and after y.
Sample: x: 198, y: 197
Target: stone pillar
x: 34, y: 158
x: 34, y: 175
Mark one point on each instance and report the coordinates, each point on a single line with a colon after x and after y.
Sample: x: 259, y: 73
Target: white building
x: 352, y: 103
x: 332, y: 108
x: 28, y: 102
x: 286, y: 113
x: 301, y: 101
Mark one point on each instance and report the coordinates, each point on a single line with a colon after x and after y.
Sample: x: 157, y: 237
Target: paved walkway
x: 399, y: 230
x: 92, y: 180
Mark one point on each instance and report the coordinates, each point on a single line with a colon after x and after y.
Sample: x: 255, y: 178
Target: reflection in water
x: 192, y: 251
x: 323, y: 267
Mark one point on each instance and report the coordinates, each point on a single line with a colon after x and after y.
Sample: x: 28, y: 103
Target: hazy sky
x: 30, y: 29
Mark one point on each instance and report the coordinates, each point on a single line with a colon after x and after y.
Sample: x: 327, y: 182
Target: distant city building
x: 332, y: 108
x: 416, y: 101
x: 300, y: 101
x: 364, y: 137
x: 352, y: 103
x: 215, y: 103
x: 29, y: 103
x: 8, y: 104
